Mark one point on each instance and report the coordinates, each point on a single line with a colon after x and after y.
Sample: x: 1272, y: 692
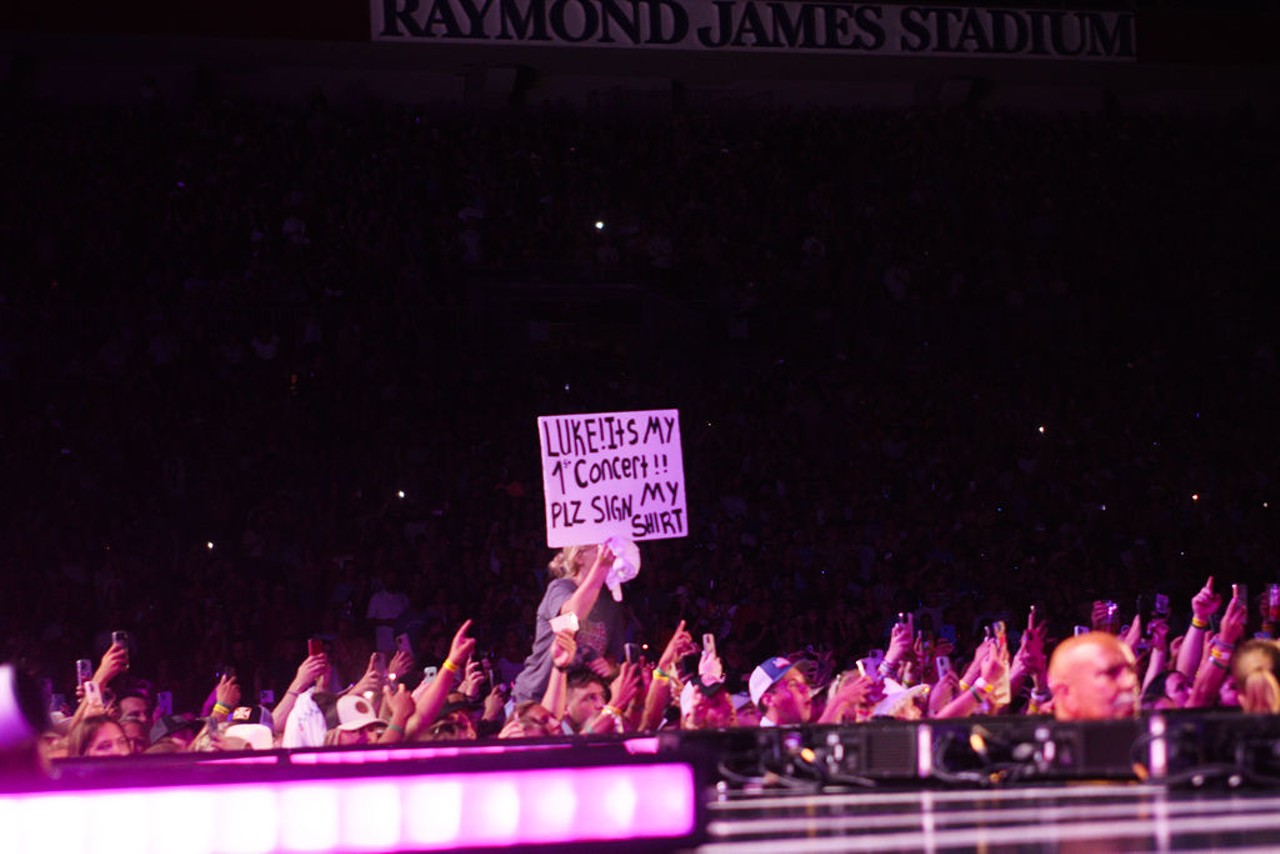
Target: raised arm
x: 1203, y: 606
x: 1204, y: 692
x: 563, y: 648
x: 584, y: 598
x: 433, y: 698
x: 311, y: 669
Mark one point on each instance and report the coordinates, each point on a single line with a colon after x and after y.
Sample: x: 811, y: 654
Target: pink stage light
x: 391, y: 813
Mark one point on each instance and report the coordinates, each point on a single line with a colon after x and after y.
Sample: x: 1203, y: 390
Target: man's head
x: 781, y: 692
x: 135, y: 703
x: 1093, y: 677
x: 586, y: 696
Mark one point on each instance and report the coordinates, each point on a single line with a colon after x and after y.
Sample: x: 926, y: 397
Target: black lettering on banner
x: 590, y: 21
x: 441, y: 15
x: 789, y: 32
x: 724, y: 22
x: 914, y: 27
x: 566, y: 514
x: 1116, y: 42
x: 611, y: 10
x: 611, y: 508
x: 868, y: 20
x: 657, y: 31
x: 657, y: 492
x: 1058, y: 31
x: 1000, y: 21
x: 752, y: 27
x: 404, y: 16
x: 659, y: 522
x: 794, y: 25
x: 972, y: 30
x: 475, y: 17
x: 532, y: 26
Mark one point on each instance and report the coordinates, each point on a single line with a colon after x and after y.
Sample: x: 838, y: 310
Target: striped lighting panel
x: 410, y: 812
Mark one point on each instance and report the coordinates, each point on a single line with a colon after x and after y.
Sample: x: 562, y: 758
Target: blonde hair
x: 567, y: 563
x: 1254, y: 667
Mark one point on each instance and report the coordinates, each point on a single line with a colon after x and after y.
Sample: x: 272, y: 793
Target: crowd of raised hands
x: 917, y: 675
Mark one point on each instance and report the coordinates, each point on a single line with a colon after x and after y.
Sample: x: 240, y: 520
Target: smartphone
x: 92, y: 693
x: 121, y: 638
x: 944, y: 665
x: 403, y: 644
x: 1081, y: 630
x: 709, y: 643
x: 380, y: 663
x: 164, y: 703
x: 565, y: 623
x: 1240, y: 592
x: 266, y: 697
x: 1161, y: 607
x: 429, y: 674
x: 84, y: 671
x: 315, y: 646
x: 631, y: 652
x: 902, y: 617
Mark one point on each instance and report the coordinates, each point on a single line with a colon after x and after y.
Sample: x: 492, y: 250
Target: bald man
x: 1093, y: 677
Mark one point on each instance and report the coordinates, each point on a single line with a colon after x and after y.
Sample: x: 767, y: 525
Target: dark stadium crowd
x: 269, y: 378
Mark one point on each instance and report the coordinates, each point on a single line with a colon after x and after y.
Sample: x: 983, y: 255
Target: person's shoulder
x: 559, y: 584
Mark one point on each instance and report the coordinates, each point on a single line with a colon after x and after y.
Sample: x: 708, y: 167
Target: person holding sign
x: 573, y: 603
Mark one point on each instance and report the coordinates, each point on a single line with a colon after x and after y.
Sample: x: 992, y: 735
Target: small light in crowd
x: 209, y: 545
x: 566, y: 386
x: 399, y: 493
x: 644, y: 646
x: 1265, y: 505
x: 1195, y: 496
x: 599, y: 225
x: 1102, y: 507
x: 1041, y: 428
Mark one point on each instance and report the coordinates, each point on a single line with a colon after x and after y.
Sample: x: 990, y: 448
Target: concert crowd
x: 954, y: 388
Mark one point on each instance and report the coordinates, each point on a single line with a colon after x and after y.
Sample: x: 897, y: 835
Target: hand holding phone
x: 631, y: 652
x: 93, y: 697
x: 315, y: 646
x: 709, y: 643
x: 120, y: 638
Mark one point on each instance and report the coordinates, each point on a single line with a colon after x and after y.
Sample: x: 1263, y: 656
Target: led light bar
x: 409, y: 812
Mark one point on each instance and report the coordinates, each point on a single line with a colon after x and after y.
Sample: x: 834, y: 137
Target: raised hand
x: 1205, y: 603
x: 563, y: 649
x: 462, y: 646
x: 311, y: 669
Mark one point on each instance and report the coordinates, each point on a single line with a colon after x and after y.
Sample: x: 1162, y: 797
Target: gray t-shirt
x: 599, y: 634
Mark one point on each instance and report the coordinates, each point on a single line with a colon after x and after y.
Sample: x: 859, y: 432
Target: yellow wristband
x: 1197, y: 623
x: 450, y: 666
x: 611, y: 711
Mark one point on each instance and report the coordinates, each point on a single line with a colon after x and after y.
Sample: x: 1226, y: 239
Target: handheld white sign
x: 613, y: 474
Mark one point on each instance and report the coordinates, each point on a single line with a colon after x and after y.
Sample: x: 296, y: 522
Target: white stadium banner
x: 786, y: 26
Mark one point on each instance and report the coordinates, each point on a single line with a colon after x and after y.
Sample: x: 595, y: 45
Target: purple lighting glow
x: 409, y: 812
